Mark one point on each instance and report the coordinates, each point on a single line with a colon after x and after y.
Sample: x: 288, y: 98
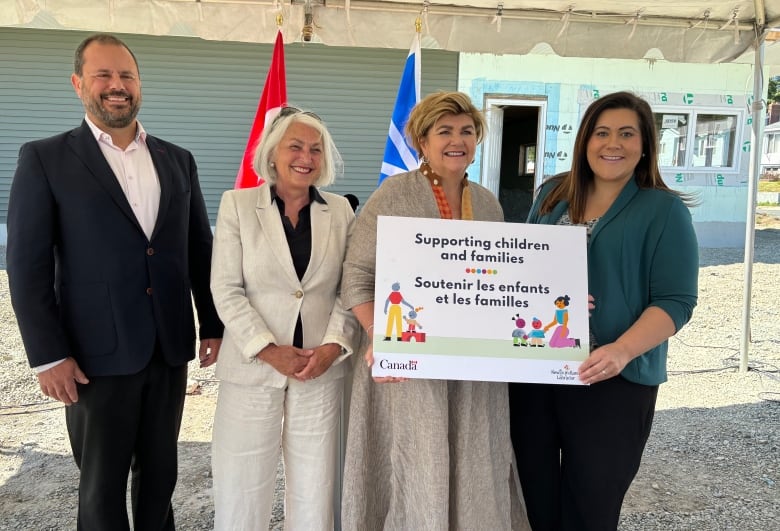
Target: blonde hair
x: 426, y: 113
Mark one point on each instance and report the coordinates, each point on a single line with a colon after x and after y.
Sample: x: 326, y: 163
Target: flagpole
x: 399, y: 156
x: 272, y: 99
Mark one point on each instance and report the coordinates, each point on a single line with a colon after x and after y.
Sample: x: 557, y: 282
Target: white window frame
x: 693, y: 113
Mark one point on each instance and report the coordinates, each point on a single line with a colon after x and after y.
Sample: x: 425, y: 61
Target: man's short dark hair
x: 101, y: 38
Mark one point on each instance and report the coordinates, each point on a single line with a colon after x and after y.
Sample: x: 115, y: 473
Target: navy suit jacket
x: 85, y: 280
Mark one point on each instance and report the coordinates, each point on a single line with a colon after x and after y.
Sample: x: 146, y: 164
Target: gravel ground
x: 712, y: 462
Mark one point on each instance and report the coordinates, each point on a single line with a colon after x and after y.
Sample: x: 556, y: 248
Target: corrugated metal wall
x: 203, y: 95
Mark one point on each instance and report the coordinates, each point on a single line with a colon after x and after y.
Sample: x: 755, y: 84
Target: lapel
x: 625, y: 196
x: 83, y: 144
x: 271, y: 226
x: 558, y: 210
x: 161, y: 161
x: 320, y: 236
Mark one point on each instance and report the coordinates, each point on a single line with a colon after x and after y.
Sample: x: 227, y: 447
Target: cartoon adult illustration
x: 560, y: 337
x: 519, y: 335
x: 394, y: 301
x: 536, y: 336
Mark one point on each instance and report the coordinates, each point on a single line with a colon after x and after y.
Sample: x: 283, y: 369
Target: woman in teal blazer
x: 579, y: 447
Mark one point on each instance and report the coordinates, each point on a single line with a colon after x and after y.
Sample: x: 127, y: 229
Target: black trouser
x: 578, y: 448
x: 122, y: 424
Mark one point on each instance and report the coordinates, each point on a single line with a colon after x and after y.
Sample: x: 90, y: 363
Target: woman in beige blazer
x: 276, y: 269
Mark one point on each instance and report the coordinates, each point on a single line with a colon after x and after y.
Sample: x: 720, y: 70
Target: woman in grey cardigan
x: 426, y: 454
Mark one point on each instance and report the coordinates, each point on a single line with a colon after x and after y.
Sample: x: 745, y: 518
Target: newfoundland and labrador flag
x: 399, y: 156
x: 274, y: 97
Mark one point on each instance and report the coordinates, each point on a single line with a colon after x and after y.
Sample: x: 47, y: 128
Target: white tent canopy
x: 695, y: 31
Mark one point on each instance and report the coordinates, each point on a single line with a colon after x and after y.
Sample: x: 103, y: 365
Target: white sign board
x: 670, y: 121
x: 476, y: 300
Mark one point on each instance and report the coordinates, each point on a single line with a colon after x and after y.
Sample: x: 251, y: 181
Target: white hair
x: 331, y: 164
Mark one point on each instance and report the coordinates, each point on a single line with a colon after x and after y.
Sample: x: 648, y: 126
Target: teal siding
x: 203, y: 95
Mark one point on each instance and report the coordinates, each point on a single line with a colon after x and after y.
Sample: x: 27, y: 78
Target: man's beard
x: 114, y: 119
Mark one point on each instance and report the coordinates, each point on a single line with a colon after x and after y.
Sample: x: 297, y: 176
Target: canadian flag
x: 274, y: 97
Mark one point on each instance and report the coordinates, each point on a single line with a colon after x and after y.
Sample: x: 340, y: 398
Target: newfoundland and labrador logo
x: 564, y: 373
x: 410, y: 365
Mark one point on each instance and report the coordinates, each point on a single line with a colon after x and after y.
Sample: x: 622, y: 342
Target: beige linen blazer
x: 257, y: 292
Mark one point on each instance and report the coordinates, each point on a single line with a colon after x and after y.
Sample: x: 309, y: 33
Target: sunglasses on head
x: 287, y: 111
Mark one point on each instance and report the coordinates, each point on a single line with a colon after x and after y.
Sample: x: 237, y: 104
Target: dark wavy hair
x: 572, y: 186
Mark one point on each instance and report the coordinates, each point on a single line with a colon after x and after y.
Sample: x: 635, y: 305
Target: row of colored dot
x: 471, y: 270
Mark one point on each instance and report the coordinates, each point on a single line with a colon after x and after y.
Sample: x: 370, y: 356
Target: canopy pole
x: 756, y: 140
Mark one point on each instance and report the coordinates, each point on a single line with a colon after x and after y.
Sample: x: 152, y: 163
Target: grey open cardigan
x: 423, y: 454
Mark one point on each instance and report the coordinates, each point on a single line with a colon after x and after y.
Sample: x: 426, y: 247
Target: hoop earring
x: 423, y: 160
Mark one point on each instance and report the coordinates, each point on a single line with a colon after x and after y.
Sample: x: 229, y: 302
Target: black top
x: 299, y: 242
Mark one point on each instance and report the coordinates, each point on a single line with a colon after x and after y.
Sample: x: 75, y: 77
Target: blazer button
x: 298, y: 294
x: 150, y: 251
x: 148, y: 291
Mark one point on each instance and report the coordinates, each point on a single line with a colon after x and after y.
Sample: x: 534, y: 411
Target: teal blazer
x: 642, y: 252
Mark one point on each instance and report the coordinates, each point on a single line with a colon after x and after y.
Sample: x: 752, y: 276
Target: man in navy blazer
x: 108, y: 241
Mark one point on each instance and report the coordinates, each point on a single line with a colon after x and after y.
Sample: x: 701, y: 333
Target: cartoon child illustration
x: 560, y: 337
x: 519, y: 336
x: 411, y: 321
x: 394, y: 301
x: 536, y: 336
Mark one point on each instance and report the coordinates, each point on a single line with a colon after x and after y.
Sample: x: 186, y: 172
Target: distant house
x: 770, y: 154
